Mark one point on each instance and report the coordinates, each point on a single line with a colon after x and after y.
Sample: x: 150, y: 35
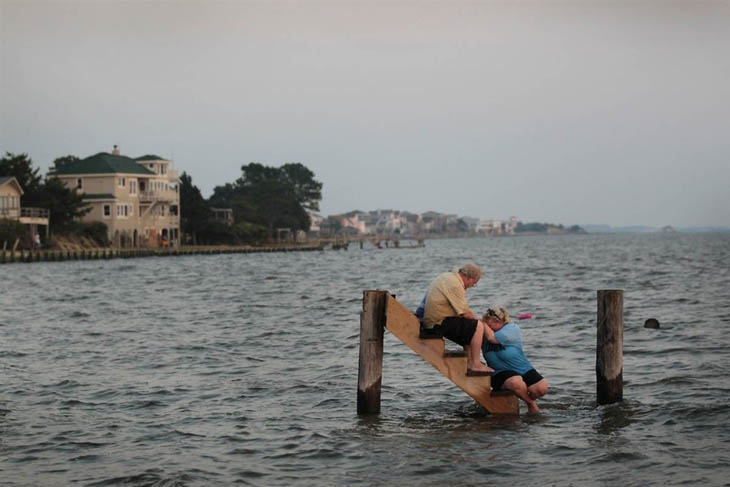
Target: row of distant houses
x: 137, y: 198
x: 388, y: 222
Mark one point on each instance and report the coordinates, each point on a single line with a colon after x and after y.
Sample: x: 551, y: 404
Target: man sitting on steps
x: 448, y: 313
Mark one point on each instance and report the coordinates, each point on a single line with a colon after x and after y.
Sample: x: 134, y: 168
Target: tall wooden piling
x: 609, y: 346
x: 370, y: 371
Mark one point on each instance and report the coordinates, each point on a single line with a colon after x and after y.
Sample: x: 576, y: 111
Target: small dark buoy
x: 651, y: 323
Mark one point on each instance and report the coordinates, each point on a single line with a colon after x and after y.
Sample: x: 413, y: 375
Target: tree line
x: 264, y: 199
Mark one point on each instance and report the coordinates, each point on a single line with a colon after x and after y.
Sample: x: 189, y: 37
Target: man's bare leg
x: 473, y: 350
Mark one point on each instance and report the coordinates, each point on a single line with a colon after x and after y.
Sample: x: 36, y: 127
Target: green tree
x: 195, y: 213
x: 223, y: 196
x: 21, y: 167
x: 61, y: 162
x: 266, y: 196
x: 307, y: 190
x: 10, y: 231
x: 272, y: 197
x: 64, y: 204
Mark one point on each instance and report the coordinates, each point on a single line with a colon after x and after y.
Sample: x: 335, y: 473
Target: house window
x: 173, y: 210
x: 122, y: 211
x: 122, y: 182
x: 132, y: 186
x: 79, y: 183
x: 107, y: 210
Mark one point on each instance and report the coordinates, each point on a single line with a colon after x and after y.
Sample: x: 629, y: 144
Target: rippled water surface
x: 242, y: 369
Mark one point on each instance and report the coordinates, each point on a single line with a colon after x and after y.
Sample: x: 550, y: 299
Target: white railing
x: 34, y: 212
x: 158, y: 195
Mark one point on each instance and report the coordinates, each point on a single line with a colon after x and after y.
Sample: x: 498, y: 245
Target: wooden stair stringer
x: 403, y: 324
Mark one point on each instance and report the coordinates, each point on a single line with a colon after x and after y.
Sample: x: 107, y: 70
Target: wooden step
x: 454, y: 353
x: 402, y: 323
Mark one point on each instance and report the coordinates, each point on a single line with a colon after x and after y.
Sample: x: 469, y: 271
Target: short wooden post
x: 609, y: 346
x: 370, y: 373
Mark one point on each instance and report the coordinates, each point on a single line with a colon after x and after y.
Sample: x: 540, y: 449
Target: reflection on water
x: 214, y: 370
x: 615, y: 417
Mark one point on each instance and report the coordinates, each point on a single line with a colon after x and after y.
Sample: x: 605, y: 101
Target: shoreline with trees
x: 266, y: 204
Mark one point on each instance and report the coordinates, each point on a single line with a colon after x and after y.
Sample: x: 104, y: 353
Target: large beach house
x: 138, y: 199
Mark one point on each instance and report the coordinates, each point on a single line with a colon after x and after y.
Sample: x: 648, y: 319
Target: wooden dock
x: 55, y: 255
x: 376, y: 241
x: 404, y: 325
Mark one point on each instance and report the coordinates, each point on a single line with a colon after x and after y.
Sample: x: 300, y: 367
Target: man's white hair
x: 472, y: 271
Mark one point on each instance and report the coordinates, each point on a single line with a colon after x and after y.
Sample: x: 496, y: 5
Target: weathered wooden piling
x: 370, y: 370
x: 609, y: 346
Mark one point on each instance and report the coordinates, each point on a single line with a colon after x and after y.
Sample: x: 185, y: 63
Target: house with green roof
x: 137, y: 198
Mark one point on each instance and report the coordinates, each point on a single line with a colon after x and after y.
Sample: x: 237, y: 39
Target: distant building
x: 471, y: 223
x: 498, y: 227
x: 138, y: 199
x: 491, y: 227
x: 355, y: 220
x: 315, y: 223
x: 224, y: 215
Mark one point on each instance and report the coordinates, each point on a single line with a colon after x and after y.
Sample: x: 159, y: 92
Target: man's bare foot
x: 481, y: 368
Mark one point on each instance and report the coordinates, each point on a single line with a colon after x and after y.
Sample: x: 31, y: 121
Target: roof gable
x: 12, y: 182
x: 103, y: 163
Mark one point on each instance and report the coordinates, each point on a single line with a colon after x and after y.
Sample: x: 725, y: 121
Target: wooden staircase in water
x: 402, y: 323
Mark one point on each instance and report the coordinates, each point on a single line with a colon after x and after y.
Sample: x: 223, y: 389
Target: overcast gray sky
x: 551, y: 111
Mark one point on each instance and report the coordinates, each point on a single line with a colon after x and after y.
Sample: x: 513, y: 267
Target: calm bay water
x: 242, y: 369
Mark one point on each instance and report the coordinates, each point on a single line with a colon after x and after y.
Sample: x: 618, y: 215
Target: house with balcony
x: 11, y: 209
x: 138, y: 199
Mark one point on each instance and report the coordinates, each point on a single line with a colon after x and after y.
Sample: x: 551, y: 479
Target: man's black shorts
x: 530, y: 377
x: 457, y: 329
